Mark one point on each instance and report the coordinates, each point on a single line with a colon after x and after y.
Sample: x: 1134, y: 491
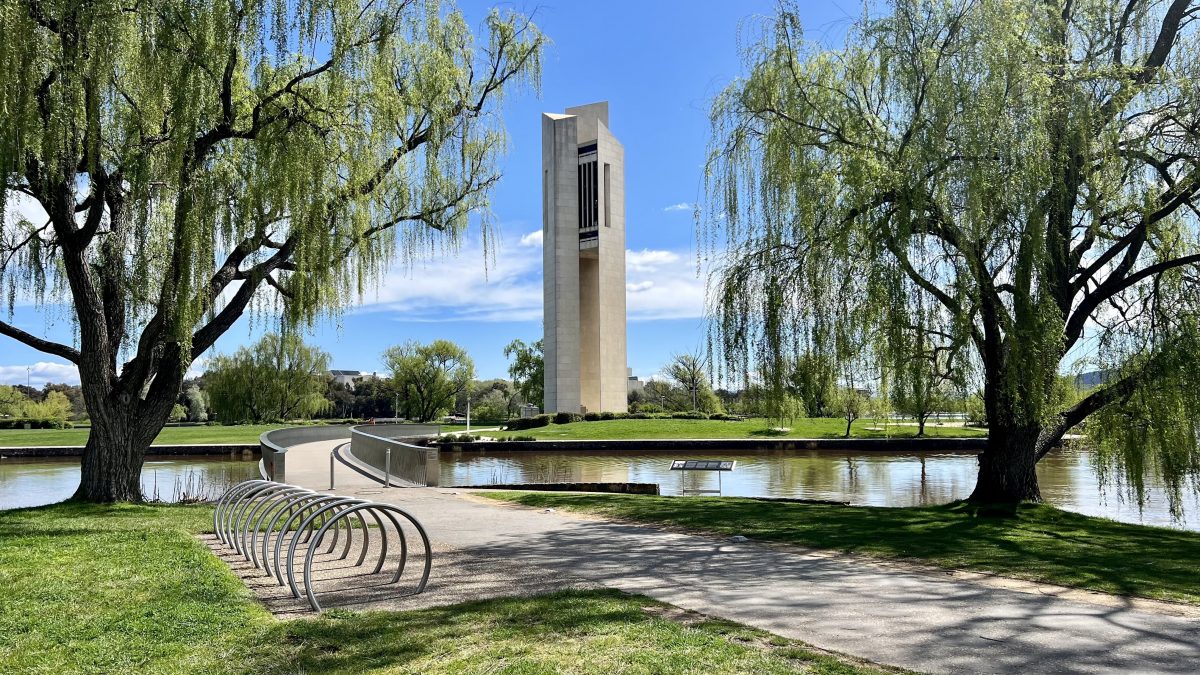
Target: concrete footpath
x: 923, y: 620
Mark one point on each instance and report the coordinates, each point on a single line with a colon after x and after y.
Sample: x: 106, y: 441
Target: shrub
x: 650, y: 408
x: 592, y: 417
x: 459, y: 438
x: 20, y: 422
x: 522, y: 438
x: 720, y: 416
x: 608, y: 416
x: 566, y: 417
x: 523, y: 423
x: 690, y: 415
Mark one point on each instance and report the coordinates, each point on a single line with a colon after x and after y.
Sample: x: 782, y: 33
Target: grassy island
x: 819, y: 427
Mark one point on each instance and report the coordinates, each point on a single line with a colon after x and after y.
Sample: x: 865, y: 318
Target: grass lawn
x: 115, y: 589
x: 236, y: 434
x: 820, y: 427
x: 1039, y: 543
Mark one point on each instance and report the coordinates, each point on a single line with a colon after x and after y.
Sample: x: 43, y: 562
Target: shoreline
x: 939, y: 444
x: 188, y: 450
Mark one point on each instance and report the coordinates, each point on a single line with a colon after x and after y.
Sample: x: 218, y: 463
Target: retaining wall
x: 725, y: 444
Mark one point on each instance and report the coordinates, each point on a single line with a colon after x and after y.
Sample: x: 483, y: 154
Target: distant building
x: 351, y: 378
x: 632, y: 383
x: 583, y: 227
x: 1092, y: 379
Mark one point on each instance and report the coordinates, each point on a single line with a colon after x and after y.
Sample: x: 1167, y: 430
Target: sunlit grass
x: 234, y: 435
x: 129, y: 589
x: 820, y: 427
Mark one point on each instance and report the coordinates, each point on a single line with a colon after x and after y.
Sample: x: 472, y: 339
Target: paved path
x: 924, y: 621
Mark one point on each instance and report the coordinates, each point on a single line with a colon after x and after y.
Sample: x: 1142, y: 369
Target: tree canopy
x: 195, y: 161
x: 429, y: 377
x: 1029, y: 168
x: 278, y: 378
x: 528, y: 370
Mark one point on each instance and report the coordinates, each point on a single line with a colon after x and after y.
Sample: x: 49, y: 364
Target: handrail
x: 304, y: 517
x: 378, y: 451
x: 274, y: 445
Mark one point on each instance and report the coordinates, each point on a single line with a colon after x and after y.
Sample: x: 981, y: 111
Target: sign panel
x: 703, y: 465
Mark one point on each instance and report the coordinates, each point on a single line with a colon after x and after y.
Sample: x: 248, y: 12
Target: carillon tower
x: 583, y: 227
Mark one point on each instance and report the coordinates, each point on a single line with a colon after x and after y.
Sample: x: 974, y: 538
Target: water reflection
x: 1067, y: 477
x: 37, y: 481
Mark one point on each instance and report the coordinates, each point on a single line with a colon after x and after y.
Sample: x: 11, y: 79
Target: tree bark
x: 1008, y: 467
x: 112, y: 459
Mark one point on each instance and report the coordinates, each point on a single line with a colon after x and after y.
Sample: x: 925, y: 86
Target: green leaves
x: 279, y: 378
x: 429, y: 377
x: 1011, y: 180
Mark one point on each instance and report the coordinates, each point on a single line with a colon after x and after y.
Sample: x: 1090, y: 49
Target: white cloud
x: 24, y: 207
x: 460, y: 287
x: 661, y: 284
x: 649, y: 260
x: 533, y: 239
x: 198, y: 367
x: 39, y: 373
x: 681, y: 206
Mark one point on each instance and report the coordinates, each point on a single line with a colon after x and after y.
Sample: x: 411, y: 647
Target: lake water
x: 37, y: 481
x: 1067, y: 478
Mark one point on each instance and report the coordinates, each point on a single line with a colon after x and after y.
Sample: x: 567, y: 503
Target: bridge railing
x: 274, y: 445
x: 389, y: 454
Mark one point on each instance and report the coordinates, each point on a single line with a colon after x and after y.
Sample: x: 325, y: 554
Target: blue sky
x: 660, y: 65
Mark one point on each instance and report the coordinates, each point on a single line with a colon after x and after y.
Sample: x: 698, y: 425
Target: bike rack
x: 257, y: 516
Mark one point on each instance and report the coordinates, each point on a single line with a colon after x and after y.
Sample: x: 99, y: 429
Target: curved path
x: 928, y: 621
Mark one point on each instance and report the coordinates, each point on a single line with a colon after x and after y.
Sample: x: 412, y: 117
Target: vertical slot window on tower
x: 607, y: 198
x: 589, y: 193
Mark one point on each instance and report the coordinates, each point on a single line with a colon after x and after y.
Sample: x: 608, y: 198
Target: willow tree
x: 277, y: 378
x: 196, y: 161
x: 1031, y: 167
x: 429, y: 377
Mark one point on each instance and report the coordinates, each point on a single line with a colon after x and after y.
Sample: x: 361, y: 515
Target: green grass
x: 822, y: 427
x: 235, y: 434
x: 96, y: 589
x: 1037, y: 543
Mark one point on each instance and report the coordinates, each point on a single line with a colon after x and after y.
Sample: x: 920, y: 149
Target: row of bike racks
x: 267, y: 523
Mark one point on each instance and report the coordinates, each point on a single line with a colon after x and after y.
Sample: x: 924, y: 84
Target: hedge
x: 20, y: 422
x: 522, y: 423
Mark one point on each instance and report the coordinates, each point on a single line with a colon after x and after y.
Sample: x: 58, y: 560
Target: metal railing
x: 275, y: 443
x: 281, y: 522
x: 383, y: 454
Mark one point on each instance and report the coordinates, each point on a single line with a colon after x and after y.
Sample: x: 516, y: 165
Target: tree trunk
x: 921, y: 425
x: 1007, y: 468
x: 112, y: 460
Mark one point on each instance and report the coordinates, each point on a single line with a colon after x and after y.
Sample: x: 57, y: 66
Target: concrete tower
x: 583, y: 228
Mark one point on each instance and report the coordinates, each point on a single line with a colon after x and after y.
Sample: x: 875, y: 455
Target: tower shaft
x: 583, y: 226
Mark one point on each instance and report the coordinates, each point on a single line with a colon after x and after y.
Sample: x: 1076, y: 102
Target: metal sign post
x: 718, y: 465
